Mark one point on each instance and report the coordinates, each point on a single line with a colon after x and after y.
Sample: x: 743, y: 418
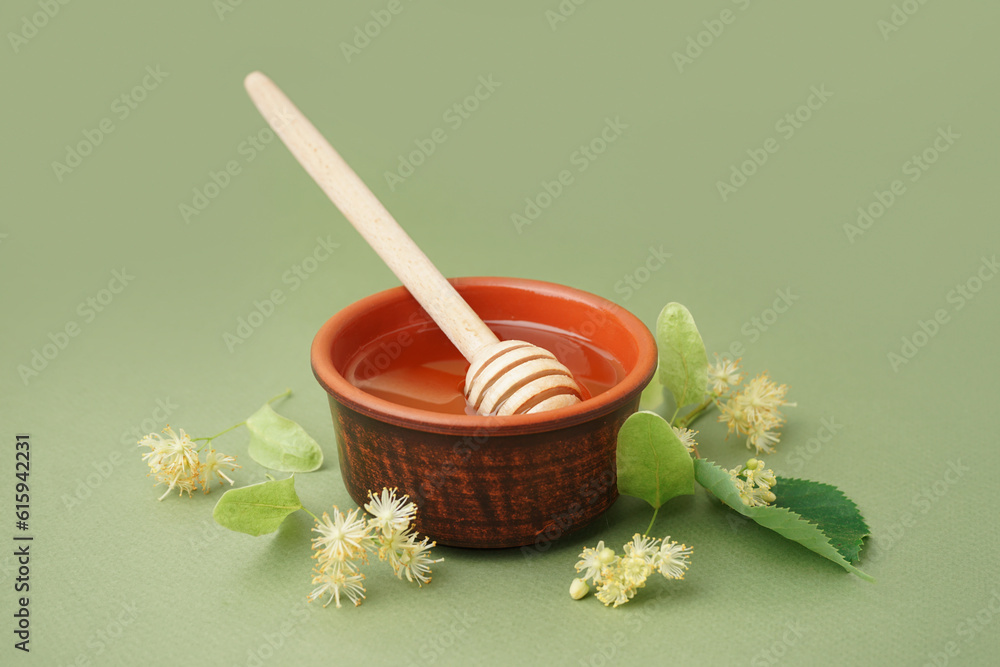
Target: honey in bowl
x: 481, y: 482
x: 417, y: 366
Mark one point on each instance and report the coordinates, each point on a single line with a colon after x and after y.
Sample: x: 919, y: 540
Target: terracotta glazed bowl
x: 478, y: 481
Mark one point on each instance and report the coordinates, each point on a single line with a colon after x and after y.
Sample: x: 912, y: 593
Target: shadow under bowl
x: 487, y: 482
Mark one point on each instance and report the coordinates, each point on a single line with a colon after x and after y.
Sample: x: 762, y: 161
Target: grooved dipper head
x: 513, y: 377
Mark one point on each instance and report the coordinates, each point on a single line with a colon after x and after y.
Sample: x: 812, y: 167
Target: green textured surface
x: 120, y: 579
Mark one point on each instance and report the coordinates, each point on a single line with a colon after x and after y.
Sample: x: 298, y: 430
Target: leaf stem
x: 287, y: 392
x: 211, y: 438
x: 650, y: 527
x: 697, y: 412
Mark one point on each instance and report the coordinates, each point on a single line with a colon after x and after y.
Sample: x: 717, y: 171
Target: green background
x: 118, y: 578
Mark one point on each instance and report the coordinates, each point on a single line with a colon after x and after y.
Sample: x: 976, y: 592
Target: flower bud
x: 752, y: 464
x: 607, y: 556
x: 578, y: 589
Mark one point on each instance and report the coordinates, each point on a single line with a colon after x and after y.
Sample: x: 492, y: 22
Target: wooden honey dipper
x: 505, y: 377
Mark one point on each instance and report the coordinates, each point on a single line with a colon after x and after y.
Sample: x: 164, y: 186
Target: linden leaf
x: 279, y: 443
x: 781, y: 520
x: 653, y: 464
x: 827, y: 507
x: 683, y: 360
x: 259, y: 508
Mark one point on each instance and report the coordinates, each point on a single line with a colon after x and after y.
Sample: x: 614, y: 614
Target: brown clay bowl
x: 487, y: 482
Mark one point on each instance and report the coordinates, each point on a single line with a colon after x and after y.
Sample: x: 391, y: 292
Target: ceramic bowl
x: 487, y: 482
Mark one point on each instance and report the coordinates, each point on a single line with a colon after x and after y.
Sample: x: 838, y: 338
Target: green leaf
x: 683, y: 360
x: 652, y: 462
x: 257, y: 509
x: 279, y: 443
x: 826, y: 506
x: 781, y: 520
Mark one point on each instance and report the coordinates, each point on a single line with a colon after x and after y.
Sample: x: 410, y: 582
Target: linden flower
x: 686, y: 436
x: 391, y: 548
x: 759, y: 475
x: 578, y: 589
x: 754, y: 483
x: 760, y: 497
x: 753, y: 412
x: 761, y: 439
x: 389, y: 513
x: 344, y: 538
x: 763, y: 443
x: 733, y: 415
x: 172, y: 461
x: 592, y: 561
x: 761, y: 399
x: 214, y: 462
x: 337, y: 580
x: 415, y: 561
x: 724, y: 374
x: 619, y: 578
x: 614, y: 589
x: 641, y: 546
x: 672, y: 559
x: 347, y: 538
x: 633, y: 570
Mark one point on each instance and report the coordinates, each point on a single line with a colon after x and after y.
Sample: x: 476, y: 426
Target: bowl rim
x: 438, y: 422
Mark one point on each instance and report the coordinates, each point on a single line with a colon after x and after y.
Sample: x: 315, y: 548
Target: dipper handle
x: 456, y: 318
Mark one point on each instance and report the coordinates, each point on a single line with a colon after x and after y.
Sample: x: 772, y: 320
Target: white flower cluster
x: 345, y: 540
x: 174, y: 461
x: 752, y: 411
x: 686, y: 436
x: 617, y: 578
x: 754, y: 482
